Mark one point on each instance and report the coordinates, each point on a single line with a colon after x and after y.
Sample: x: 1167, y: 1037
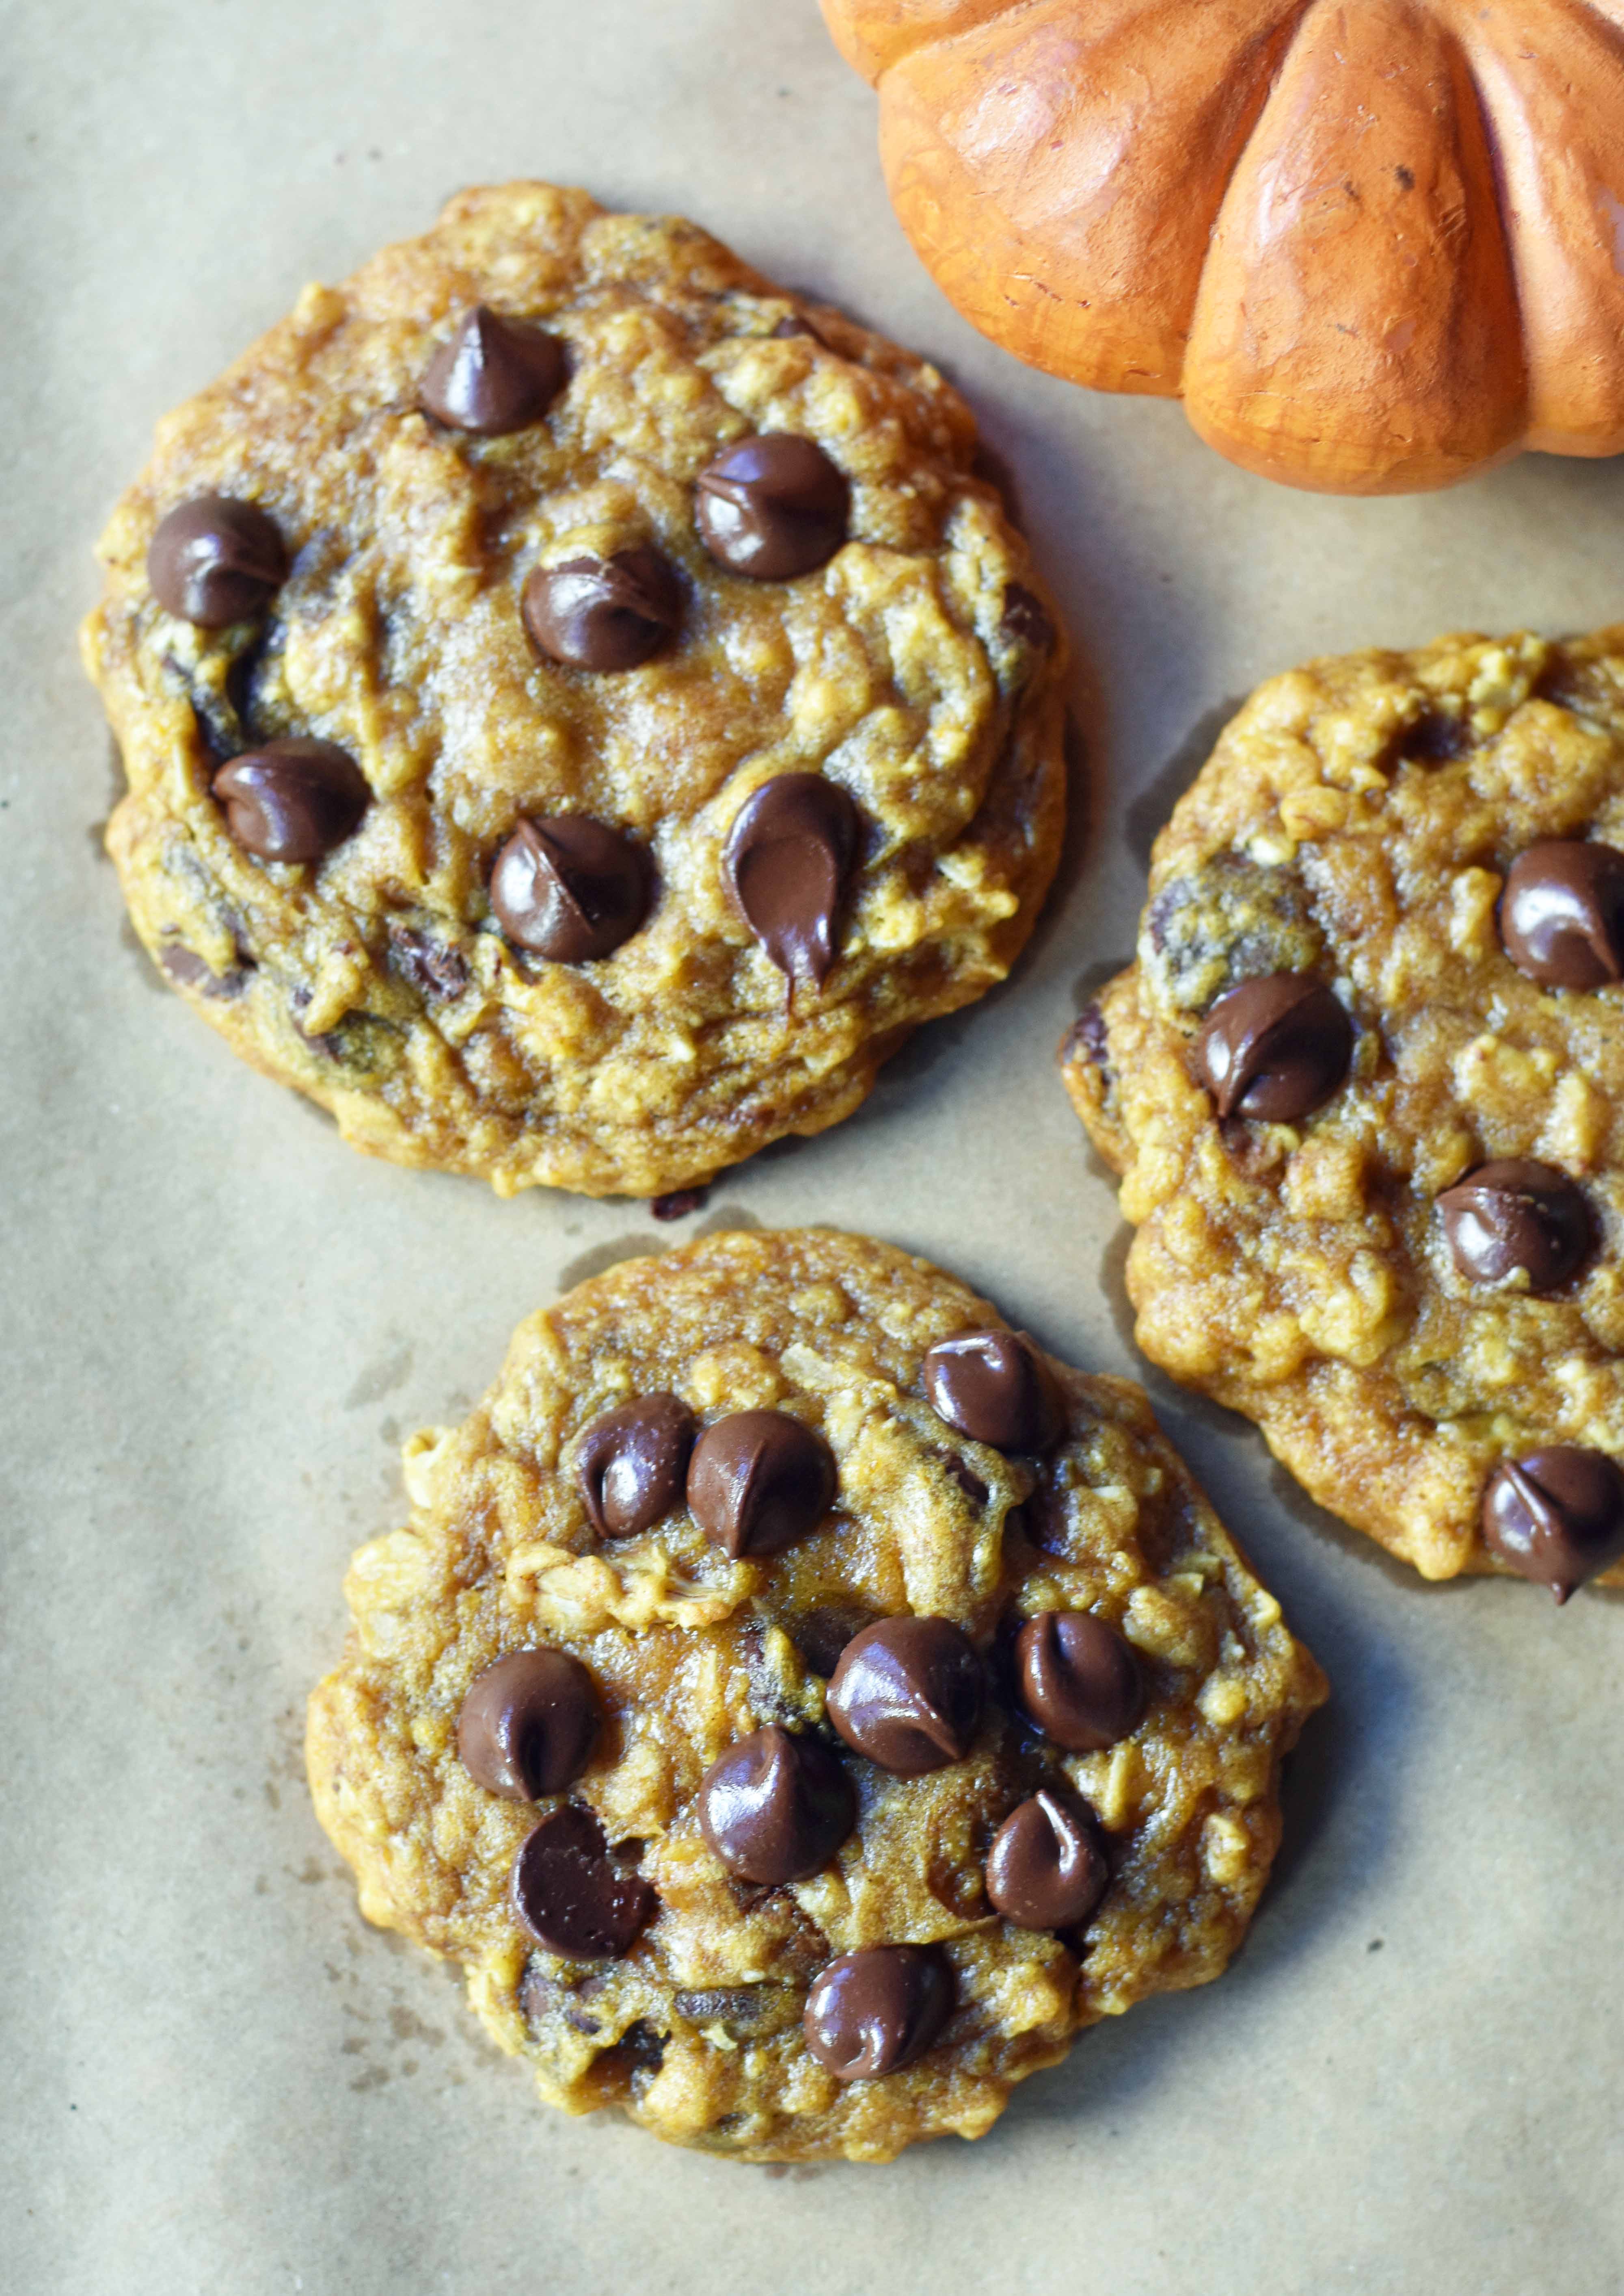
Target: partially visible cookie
x: 802, y: 1705
x: 1364, y: 1086
x: 581, y: 708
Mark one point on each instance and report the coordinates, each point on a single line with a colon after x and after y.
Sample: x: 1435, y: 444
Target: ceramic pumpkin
x: 1376, y: 244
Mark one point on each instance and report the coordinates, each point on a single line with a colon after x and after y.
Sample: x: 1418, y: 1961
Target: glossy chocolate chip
x: 494, y: 375
x: 790, y: 857
x: 1516, y: 1215
x: 1562, y: 914
x: 292, y: 800
x: 567, y: 888
x: 570, y: 1895
x: 907, y: 1693
x: 773, y: 506
x: 602, y: 613
x: 1276, y: 1048
x: 1555, y: 1516
x: 994, y: 1387
x: 632, y: 1462
x: 1025, y: 619
x: 759, y: 1480
x: 214, y: 561
x: 1046, y: 1867
x: 776, y: 1808
x: 1078, y: 1680
x: 527, y: 1726
x: 873, y: 2012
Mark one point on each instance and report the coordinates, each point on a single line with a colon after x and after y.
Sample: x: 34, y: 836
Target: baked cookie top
x: 1364, y: 1086
x: 581, y: 708
x: 802, y: 1705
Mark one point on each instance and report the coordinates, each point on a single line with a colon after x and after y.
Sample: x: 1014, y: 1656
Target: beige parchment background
x: 220, y: 1323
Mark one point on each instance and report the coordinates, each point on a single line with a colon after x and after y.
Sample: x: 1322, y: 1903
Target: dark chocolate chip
x: 431, y: 967
x: 602, y: 613
x: 528, y: 1725
x: 1025, y: 620
x: 1046, y: 1867
x: 994, y: 1387
x: 773, y: 506
x: 1435, y: 739
x: 567, y: 888
x: 214, y: 561
x: 907, y: 1693
x: 821, y: 1635
x: 292, y: 799
x: 775, y: 1807
x: 1556, y: 1515
x: 187, y: 970
x: 632, y: 1461
x: 494, y: 375
x: 1078, y: 1680
x: 1086, y: 1039
x: 791, y: 853
x: 1517, y: 1214
x: 1276, y: 1048
x: 1562, y: 914
x: 570, y: 1896
x: 873, y: 2012
x: 679, y: 1203
x: 759, y: 1480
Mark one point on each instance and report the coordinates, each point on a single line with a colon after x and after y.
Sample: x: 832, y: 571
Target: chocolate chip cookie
x: 802, y: 1705
x: 581, y: 708
x: 1364, y: 1086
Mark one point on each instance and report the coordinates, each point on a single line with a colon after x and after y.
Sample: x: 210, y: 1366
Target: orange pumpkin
x: 1375, y: 244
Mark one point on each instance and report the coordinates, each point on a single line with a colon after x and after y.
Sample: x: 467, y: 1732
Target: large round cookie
x: 487, y: 522
x: 728, y: 1848
x: 1365, y: 1085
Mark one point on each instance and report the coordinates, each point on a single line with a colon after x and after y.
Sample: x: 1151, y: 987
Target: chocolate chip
x: 292, y: 799
x: 1562, y: 914
x: 1275, y: 1048
x: 821, y: 1635
x: 570, y: 1897
x: 527, y: 1726
x: 759, y: 1480
x: 431, y: 967
x: 1516, y: 1215
x: 214, y: 561
x: 791, y: 853
x: 602, y: 613
x: 794, y: 325
x: 567, y: 888
x: 1025, y: 619
x: 994, y: 1387
x: 1435, y: 739
x: 1046, y: 1867
x: 873, y: 2012
x: 187, y: 970
x: 1078, y: 1680
x: 1086, y: 1039
x: 631, y: 1464
x: 907, y: 1693
x: 679, y: 1203
x: 775, y: 1807
x: 773, y: 506
x: 1556, y: 1515
x: 494, y: 375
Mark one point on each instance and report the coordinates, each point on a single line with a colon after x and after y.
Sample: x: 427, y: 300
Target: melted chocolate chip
x: 774, y: 507
x: 1435, y: 739
x: 567, y: 888
x: 790, y: 856
x: 1025, y: 620
x: 1046, y: 1867
x: 602, y: 613
x: 187, y: 970
x: 570, y: 1896
x: 820, y: 1635
x: 1562, y: 914
x: 775, y: 1807
x: 1516, y: 1215
x: 1078, y: 1680
x: 1556, y: 1515
x: 759, y: 1480
x: 994, y: 1387
x: 292, y: 800
x: 907, y: 1693
x: 431, y: 967
x: 494, y: 375
x: 1088, y: 1040
x: 1275, y: 1048
x: 632, y: 1461
x: 214, y: 561
x: 679, y: 1203
x: 527, y: 1726
x: 873, y: 2012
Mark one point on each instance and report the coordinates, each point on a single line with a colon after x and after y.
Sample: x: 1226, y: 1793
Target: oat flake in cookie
x: 828, y: 1781
x: 1364, y: 1086
x: 581, y: 711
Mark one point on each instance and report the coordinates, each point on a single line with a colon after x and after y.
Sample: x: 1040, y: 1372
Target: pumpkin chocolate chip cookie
x: 581, y: 711
x: 802, y: 1705
x: 1364, y: 1086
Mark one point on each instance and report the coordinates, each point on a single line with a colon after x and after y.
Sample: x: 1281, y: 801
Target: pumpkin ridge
x: 862, y: 43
